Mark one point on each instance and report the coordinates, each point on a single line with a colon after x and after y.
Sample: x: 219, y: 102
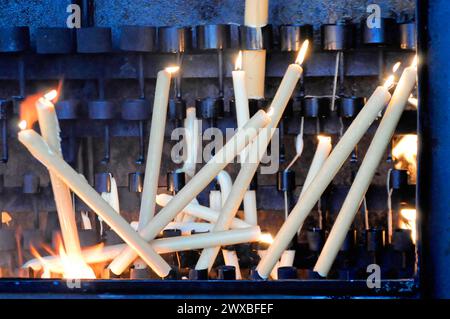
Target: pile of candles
x: 210, y: 229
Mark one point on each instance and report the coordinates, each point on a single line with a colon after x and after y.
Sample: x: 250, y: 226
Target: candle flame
x: 389, y: 82
x: 238, y: 63
x: 53, y: 94
x: 23, y: 125
x: 71, y: 266
x: 396, y: 66
x: 405, y: 153
x: 324, y: 139
x: 172, y: 69
x: 302, y: 53
x: 266, y: 238
x: 408, y: 221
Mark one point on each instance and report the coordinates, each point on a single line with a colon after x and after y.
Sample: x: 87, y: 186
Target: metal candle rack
x: 208, y: 47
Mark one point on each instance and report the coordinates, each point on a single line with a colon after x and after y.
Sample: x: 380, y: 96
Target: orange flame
x: 27, y: 110
x: 266, y: 238
x: 302, y: 53
x: 71, y: 266
x: 405, y: 153
x: 408, y: 221
x: 238, y: 63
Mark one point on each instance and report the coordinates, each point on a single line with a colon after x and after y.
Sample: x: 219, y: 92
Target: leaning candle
x: 200, y: 180
x: 201, y: 212
x: 324, y: 177
x: 162, y: 246
x: 155, y: 146
x: 46, y: 155
x: 254, y: 155
x: 322, y: 151
x: 48, y: 123
x: 367, y: 170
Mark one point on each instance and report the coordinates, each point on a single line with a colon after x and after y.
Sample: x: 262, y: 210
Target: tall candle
x: 46, y: 155
x: 322, y: 151
x: 224, y: 156
x: 240, y: 93
x: 367, y: 170
x: 255, y: 154
x: 48, y: 123
x: 256, y: 13
x: 161, y: 246
x: 323, y: 178
x: 201, y: 212
x: 242, y: 116
x: 230, y: 259
x: 155, y: 146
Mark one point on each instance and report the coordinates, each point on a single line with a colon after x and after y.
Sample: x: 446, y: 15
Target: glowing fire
x: 172, y: 69
x: 324, y: 139
x: 405, y: 153
x: 408, y: 221
x: 238, y: 64
x: 390, y: 80
x: 266, y: 238
x: 302, y: 53
x: 70, y: 266
x: 27, y: 110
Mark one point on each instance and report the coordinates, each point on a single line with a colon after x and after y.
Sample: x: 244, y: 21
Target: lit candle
x: 200, y: 180
x: 78, y: 184
x: 363, y: 178
x: 240, y: 93
x: 201, y: 212
x: 242, y: 116
x: 100, y: 254
x: 254, y: 155
x: 329, y: 169
x: 48, y: 123
x: 155, y: 146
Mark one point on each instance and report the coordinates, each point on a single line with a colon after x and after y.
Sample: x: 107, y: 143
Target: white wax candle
x: 224, y: 156
x: 254, y: 64
x: 155, y: 147
x: 323, y: 178
x: 250, y: 211
x: 215, y: 200
x: 256, y: 13
x: 230, y: 258
x: 225, y: 182
x: 240, y: 93
x: 255, y: 154
x: 192, y: 141
x: 322, y: 151
x: 48, y: 123
x: 162, y: 246
x: 242, y: 116
x: 46, y: 155
x: 367, y: 170
x: 201, y: 212
x: 187, y: 228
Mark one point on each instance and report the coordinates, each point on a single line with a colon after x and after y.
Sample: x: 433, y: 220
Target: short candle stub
x: 375, y: 239
x: 402, y: 240
x: 286, y: 180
